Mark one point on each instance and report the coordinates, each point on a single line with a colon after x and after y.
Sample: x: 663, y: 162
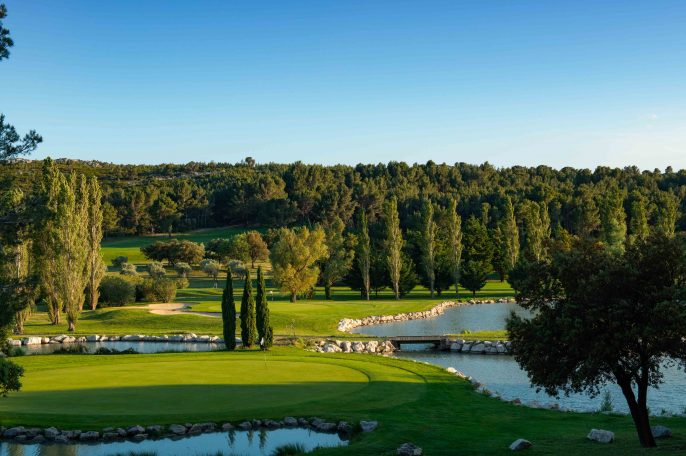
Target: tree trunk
x: 293, y: 297
x: 327, y: 291
x: 72, y: 326
x: 639, y: 412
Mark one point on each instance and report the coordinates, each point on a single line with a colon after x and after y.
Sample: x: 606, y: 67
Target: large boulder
x: 368, y: 426
x: 177, y: 429
x: 358, y: 347
x: 346, y: 346
x: 520, y: 444
x: 31, y: 341
x: 409, y: 449
x: 14, y: 432
x: 290, y: 421
x: 133, y: 430
x: 51, y: 432
x: 601, y: 436
x: 331, y: 348
x: 661, y: 432
x: 372, y: 345
x: 89, y: 436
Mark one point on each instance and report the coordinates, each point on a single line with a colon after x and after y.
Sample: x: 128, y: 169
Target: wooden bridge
x: 440, y: 342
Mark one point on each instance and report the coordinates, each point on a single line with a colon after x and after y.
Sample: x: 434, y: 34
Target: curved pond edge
x: 138, y: 433
x: 348, y: 324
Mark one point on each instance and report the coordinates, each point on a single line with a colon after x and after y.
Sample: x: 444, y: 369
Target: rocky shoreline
x: 138, y: 433
x: 348, y: 324
x: 65, y: 339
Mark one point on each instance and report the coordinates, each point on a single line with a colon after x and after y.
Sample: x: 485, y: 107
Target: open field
x: 412, y: 401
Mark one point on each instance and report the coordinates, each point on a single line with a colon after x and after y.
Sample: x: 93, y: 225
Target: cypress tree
x: 454, y: 225
x: 428, y: 244
x: 229, y: 313
x: 510, y: 236
x: 364, y: 251
x: 262, y: 311
x: 248, y: 328
x: 394, y: 245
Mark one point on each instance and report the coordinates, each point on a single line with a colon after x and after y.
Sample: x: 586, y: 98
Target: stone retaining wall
x: 65, y: 339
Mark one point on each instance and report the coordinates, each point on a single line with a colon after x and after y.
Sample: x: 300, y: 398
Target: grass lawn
x: 413, y: 401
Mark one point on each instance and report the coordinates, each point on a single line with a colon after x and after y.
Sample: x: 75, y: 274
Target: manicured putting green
x: 168, y: 387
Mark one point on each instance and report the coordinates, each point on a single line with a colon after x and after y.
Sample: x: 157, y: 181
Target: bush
x: 118, y: 261
x: 145, y: 291
x: 156, y: 270
x: 128, y: 269
x: 164, y: 290
x: 117, y: 291
x: 10, y: 374
x: 182, y: 282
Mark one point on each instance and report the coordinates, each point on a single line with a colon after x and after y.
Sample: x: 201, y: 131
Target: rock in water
x: 520, y: 444
x: 368, y: 426
x: 661, y: 432
x: 409, y: 449
x: 600, y: 435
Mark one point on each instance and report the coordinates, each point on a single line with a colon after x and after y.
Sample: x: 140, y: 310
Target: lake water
x: 254, y: 443
x: 502, y: 374
x: 140, y: 347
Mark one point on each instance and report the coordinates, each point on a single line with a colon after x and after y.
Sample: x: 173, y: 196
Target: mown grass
x: 412, y: 401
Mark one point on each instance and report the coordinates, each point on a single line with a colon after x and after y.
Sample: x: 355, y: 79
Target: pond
x: 254, y: 443
x: 140, y: 347
x: 501, y: 373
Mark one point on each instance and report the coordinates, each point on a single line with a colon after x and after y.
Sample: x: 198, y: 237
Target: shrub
x: 128, y: 269
x: 164, y: 290
x: 118, y: 261
x: 183, y: 269
x: 156, y: 270
x: 117, y: 291
x: 145, y: 290
x: 9, y: 376
x: 182, y: 282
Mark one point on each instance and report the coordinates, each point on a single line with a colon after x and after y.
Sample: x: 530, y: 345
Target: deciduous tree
x: 294, y: 259
x: 393, y: 245
x: 339, y: 257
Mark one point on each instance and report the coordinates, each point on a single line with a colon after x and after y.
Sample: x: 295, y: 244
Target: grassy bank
x: 413, y: 401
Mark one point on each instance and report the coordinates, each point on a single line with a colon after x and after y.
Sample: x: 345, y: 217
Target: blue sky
x: 510, y: 82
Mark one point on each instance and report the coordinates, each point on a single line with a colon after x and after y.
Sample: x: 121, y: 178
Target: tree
x: 340, y: 255
x: 510, y: 237
x: 264, y: 335
x: 94, y: 262
x: 294, y: 259
x: 477, y: 255
x: 667, y: 213
x: 156, y: 270
x: 428, y: 244
x: 536, y: 224
x: 174, y: 250
x: 364, y: 253
x: 613, y: 219
x: 211, y: 268
x: 183, y: 269
x: 638, y: 221
x: 257, y: 248
x: 117, y: 291
x: 394, y: 244
x: 602, y: 316
x: 454, y: 235
x: 118, y: 261
x: 408, y: 276
x: 219, y: 249
x: 229, y: 313
x: 5, y: 41
x: 248, y: 327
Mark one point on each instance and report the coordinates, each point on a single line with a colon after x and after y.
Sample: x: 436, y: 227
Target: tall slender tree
x: 454, y: 232
x: 229, y: 313
x: 613, y: 219
x: 340, y: 254
x: 262, y: 311
x: 536, y: 228
x: 394, y: 244
x: 638, y: 221
x: 428, y: 244
x: 364, y: 253
x: 94, y: 263
x: 510, y: 234
x: 248, y: 326
x: 667, y: 213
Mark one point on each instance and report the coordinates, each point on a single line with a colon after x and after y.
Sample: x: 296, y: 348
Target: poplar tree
x: 73, y: 237
x: 667, y: 213
x: 364, y: 253
x: 339, y: 257
x: 454, y: 234
x: 428, y: 244
x: 613, y: 219
x: 229, y: 313
x: 638, y: 222
x: 536, y: 228
x: 510, y: 236
x: 95, y: 264
x: 248, y: 327
x: 394, y: 245
x: 262, y: 311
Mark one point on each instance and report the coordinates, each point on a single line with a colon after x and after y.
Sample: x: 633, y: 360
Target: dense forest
x: 143, y: 199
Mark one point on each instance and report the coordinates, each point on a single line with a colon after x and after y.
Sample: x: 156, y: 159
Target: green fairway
x: 412, y: 401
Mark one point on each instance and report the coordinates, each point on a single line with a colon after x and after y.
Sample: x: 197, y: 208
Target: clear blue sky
x: 509, y: 82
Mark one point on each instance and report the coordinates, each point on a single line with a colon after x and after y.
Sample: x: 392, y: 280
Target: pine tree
x: 340, y: 255
x: 394, y: 245
x: 454, y: 231
x: 667, y: 213
x: 478, y: 255
x: 638, y: 223
x: 229, y: 313
x: 95, y: 265
x: 248, y: 327
x: 364, y: 253
x: 262, y: 310
x: 428, y: 244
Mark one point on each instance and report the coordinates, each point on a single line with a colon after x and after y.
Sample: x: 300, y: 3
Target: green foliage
x: 248, y: 323
x: 289, y: 449
x: 156, y: 270
x: 262, y: 312
x: 228, y: 309
x: 571, y: 345
x: 117, y: 291
x: 183, y: 269
x: 339, y: 257
x: 129, y: 269
x: 393, y: 244
x: 211, y: 268
x: 606, y: 405
x: 363, y: 254
x: 613, y: 219
x: 164, y: 290
x: 428, y: 244
x: 174, y: 251
x: 10, y: 377
x: 294, y: 258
